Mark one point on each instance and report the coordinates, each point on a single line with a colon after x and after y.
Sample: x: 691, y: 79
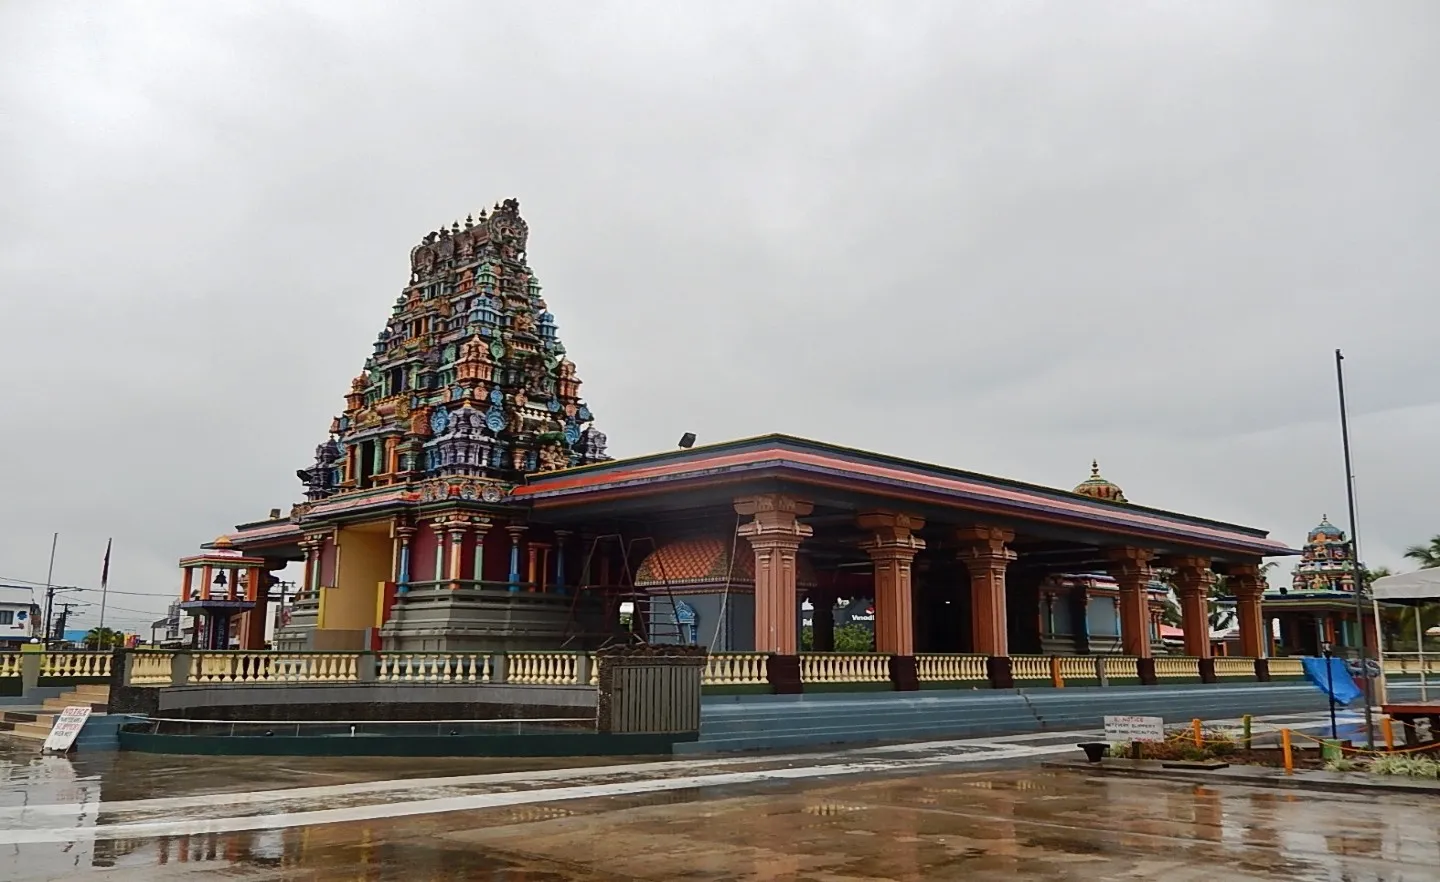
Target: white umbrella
x: 1412, y: 589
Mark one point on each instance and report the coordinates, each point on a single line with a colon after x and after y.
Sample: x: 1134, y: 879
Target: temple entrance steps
x: 785, y: 722
x: 35, y: 725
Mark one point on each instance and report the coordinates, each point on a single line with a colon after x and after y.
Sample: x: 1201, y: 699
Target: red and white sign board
x: 1134, y: 729
x: 67, y: 727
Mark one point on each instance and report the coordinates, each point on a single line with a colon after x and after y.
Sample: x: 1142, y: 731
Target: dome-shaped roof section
x: 1326, y: 530
x: 705, y: 560
x: 1097, y: 487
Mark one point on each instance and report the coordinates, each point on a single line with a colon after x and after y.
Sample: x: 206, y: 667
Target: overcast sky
x: 1007, y: 237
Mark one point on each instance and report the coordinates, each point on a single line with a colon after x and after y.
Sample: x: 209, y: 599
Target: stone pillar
x: 515, y: 531
x: 1131, y: 569
x: 440, y: 550
x: 458, y: 527
x: 1193, y: 580
x: 892, y: 547
x: 1245, y: 583
x: 481, y: 525
x: 984, y: 551
x: 403, y: 533
x: 392, y: 459
x: 187, y: 576
x: 1080, y: 618
x: 562, y: 546
x: 775, y: 534
x: 532, y: 570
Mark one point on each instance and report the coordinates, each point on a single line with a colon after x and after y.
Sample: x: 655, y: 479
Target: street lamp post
x: 1325, y: 650
x: 1359, y: 586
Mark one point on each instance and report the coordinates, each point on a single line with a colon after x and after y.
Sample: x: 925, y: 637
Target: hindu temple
x: 463, y: 499
x: 1318, y: 606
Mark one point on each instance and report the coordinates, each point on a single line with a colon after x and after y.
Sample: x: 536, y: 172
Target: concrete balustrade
x: 1411, y: 664
x: 736, y: 669
x: 741, y: 671
x: 844, y: 667
x: 151, y: 668
x: 1286, y: 667
x: 274, y: 667
x: 1177, y: 667
x: 1230, y: 666
x: 1077, y: 667
x: 1030, y: 667
x: 84, y: 665
x: 1121, y: 667
x: 547, y: 668
x: 950, y: 668
x: 433, y: 667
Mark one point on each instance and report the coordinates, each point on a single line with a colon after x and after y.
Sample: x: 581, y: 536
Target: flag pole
x: 104, y: 585
x: 1360, y: 586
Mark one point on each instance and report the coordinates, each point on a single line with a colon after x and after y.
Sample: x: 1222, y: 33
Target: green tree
x: 854, y: 638
x: 1427, y: 556
x: 1368, y: 576
x: 104, y: 638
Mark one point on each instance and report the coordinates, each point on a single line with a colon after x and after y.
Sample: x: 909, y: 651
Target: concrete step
x: 761, y: 722
x: 32, y: 731
x: 65, y: 701
x: 93, y: 689
x: 26, y: 715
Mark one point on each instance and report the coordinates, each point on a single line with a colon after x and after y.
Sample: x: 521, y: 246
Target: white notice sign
x: 67, y: 726
x: 1134, y: 729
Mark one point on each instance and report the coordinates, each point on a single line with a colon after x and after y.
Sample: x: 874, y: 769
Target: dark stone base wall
x: 372, y: 703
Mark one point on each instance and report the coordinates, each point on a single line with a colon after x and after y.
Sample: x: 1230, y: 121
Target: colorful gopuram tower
x: 407, y: 536
x: 467, y: 378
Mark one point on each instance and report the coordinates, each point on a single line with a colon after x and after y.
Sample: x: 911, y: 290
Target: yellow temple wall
x: 364, y: 562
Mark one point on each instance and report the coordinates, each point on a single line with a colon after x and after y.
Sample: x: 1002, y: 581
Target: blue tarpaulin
x: 1345, y: 689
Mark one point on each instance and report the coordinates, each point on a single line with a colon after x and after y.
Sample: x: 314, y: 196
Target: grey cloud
x: 1007, y: 237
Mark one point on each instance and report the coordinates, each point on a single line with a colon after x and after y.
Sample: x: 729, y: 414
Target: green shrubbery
x: 1405, y: 765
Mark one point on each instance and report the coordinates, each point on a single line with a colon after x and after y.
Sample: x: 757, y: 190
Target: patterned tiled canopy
x: 705, y: 560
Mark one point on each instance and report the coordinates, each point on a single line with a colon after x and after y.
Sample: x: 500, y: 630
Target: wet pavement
x: 974, y: 809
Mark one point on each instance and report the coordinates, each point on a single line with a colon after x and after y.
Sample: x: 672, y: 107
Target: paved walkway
x: 49, y: 821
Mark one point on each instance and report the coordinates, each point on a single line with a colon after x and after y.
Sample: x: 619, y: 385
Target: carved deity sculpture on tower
x: 468, y: 376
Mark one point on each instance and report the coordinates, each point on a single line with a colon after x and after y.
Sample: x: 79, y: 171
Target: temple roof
x: 845, y: 473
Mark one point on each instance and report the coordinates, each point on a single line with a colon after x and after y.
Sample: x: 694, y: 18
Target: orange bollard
x: 1056, y: 679
x: 1285, y: 748
x: 1388, y: 727
x: 1199, y: 734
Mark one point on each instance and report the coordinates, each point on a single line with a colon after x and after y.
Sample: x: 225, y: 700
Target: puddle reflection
x: 1002, y: 824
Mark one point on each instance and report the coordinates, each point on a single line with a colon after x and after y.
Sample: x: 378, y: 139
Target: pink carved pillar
x: 892, y: 547
x: 775, y: 534
x: 986, y: 557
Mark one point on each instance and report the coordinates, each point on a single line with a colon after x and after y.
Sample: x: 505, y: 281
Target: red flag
x: 105, y: 571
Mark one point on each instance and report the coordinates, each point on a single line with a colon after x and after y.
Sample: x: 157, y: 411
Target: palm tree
x: 103, y: 638
x: 1427, y: 556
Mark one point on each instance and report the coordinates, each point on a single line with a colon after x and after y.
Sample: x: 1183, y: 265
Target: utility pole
x: 61, y: 620
x: 50, y: 588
